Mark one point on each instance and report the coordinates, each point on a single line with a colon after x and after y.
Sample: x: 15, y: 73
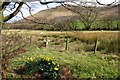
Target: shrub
x: 109, y: 46
x: 41, y: 68
x: 88, y: 47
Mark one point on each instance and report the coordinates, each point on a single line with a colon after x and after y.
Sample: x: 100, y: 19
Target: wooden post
x: 66, y: 43
x: 46, y: 42
x: 95, y: 48
x: 30, y: 40
x: 46, y: 45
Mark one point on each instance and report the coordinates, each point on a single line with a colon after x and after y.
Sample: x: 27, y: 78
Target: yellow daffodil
x: 28, y: 58
x: 31, y: 58
x: 56, y: 69
x: 58, y: 65
x: 53, y: 62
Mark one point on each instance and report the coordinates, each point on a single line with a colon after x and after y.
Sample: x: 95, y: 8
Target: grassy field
x: 106, y: 39
x: 79, y: 57
x: 87, y: 65
x: 73, y: 33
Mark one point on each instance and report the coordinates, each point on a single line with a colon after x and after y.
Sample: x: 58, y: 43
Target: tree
x: 86, y: 10
x: 87, y: 14
x: 3, y: 6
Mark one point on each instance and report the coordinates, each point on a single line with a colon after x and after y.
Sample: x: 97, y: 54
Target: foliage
x: 68, y: 26
x: 40, y: 67
x: 100, y: 25
x: 106, y: 25
x: 110, y: 46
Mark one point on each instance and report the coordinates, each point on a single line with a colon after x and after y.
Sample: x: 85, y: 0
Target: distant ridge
x: 60, y: 14
x: 60, y: 11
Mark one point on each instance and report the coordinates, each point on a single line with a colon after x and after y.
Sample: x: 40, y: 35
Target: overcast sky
x: 25, y: 10
x: 38, y: 7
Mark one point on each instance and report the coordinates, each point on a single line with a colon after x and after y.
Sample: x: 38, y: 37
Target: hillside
x: 60, y: 14
x: 48, y: 14
x: 60, y: 11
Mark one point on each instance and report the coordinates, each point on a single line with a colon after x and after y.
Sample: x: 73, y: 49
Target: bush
x: 109, y: 46
x: 41, y: 68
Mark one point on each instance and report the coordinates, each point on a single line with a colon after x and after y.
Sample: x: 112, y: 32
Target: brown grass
x: 79, y: 34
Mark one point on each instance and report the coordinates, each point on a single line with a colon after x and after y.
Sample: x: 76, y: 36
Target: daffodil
x: 53, y: 62
x: 31, y: 58
x: 56, y: 69
x: 28, y: 58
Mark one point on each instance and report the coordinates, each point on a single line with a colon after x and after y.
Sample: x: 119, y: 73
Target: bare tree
x: 12, y: 43
x: 3, y: 6
x: 87, y: 14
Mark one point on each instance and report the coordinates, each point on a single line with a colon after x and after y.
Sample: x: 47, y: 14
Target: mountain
x: 60, y: 14
x: 48, y: 14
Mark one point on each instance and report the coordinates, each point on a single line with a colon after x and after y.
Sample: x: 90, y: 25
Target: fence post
x: 95, y: 48
x: 66, y: 43
x: 30, y: 40
x: 46, y: 45
x: 46, y: 42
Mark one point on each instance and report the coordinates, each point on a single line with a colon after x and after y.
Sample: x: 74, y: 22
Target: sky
x: 38, y: 7
x: 25, y: 10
